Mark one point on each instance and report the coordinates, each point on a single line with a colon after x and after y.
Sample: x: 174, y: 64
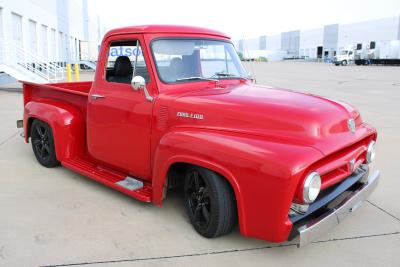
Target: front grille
x: 336, y: 167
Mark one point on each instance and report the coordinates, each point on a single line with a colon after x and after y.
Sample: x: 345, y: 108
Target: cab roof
x: 171, y: 29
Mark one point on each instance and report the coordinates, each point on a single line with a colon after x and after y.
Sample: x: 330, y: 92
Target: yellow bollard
x: 69, y: 76
x: 76, y: 68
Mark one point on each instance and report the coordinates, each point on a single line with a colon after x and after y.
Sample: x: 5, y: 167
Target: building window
x: 1, y: 22
x: 32, y: 36
x: 53, y: 43
x: 44, y: 44
x: 16, y: 22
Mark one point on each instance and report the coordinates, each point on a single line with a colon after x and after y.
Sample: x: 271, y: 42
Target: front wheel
x: 210, y: 202
x: 43, y: 144
x: 344, y: 62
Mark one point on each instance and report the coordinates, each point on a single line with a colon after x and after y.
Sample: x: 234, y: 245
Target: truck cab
x: 344, y: 57
x: 173, y: 107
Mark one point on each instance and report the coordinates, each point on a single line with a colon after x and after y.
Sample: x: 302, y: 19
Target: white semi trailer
x: 380, y: 52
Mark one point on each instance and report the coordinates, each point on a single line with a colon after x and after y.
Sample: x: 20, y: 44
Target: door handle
x: 95, y: 96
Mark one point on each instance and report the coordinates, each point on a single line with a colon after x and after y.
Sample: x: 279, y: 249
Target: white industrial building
x: 37, y: 38
x: 322, y: 42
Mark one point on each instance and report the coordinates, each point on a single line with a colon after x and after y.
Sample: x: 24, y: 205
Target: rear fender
x: 66, y: 122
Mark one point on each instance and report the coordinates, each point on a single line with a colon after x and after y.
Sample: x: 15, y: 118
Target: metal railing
x: 21, y: 59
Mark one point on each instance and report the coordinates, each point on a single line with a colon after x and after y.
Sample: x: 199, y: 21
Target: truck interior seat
x: 122, y: 70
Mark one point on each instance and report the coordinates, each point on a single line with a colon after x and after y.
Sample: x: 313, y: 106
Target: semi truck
x: 178, y: 110
x: 344, y: 57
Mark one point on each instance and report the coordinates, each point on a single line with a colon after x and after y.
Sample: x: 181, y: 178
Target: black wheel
x: 43, y: 144
x: 210, y: 202
x: 344, y: 62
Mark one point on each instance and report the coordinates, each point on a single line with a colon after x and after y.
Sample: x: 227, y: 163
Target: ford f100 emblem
x: 352, y: 125
x: 190, y: 115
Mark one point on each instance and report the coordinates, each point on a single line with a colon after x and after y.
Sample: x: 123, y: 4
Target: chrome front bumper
x: 318, y: 226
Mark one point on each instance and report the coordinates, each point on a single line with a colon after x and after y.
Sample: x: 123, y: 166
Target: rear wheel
x: 210, y: 202
x: 43, y: 144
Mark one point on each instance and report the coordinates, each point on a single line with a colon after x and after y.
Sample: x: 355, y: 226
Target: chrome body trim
x: 317, y: 227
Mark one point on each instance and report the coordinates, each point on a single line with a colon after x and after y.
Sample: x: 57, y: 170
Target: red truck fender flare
x: 165, y: 158
x: 66, y: 122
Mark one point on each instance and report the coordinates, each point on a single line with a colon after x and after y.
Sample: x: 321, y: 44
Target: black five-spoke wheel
x: 199, y: 199
x: 43, y: 144
x: 210, y: 202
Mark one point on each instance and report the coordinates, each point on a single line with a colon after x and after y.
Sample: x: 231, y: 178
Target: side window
x: 125, y: 59
x: 372, y: 45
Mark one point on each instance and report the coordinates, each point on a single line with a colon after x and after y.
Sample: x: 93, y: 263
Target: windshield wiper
x: 227, y: 74
x: 196, y: 78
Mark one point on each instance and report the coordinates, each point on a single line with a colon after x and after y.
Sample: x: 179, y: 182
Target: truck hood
x: 277, y: 114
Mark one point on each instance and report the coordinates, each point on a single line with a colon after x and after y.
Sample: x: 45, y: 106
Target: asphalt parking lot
x: 54, y: 217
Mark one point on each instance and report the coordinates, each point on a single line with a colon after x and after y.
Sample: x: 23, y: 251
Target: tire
x: 210, y: 202
x: 43, y: 144
x: 344, y: 62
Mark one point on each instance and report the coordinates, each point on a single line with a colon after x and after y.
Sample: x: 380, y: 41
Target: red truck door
x: 119, y: 118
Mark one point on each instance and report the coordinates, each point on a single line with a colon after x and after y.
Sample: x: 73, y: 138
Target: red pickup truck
x: 172, y: 106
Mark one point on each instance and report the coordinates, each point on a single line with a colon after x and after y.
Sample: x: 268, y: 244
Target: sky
x: 242, y: 19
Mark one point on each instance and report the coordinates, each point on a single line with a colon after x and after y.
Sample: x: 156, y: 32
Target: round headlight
x: 371, y: 152
x: 312, y: 186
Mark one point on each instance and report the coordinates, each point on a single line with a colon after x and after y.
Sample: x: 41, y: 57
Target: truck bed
x: 74, y: 93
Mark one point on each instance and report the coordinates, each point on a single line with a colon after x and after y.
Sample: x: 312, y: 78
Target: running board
x: 116, y: 180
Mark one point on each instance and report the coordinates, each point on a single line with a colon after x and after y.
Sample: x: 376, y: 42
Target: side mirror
x: 251, y: 78
x: 139, y: 83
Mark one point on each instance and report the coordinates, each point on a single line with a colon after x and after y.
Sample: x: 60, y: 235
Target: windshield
x: 180, y: 60
x: 344, y: 52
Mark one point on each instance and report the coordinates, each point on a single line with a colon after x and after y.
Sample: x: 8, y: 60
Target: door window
x: 125, y: 60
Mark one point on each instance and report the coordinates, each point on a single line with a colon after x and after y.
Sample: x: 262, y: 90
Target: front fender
x: 66, y: 122
x: 262, y: 173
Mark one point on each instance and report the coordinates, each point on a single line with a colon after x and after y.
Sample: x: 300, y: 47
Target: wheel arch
x: 188, y: 146
x: 65, y: 121
x: 186, y: 161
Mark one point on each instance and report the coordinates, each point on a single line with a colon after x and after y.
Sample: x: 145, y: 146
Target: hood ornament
x: 351, y: 124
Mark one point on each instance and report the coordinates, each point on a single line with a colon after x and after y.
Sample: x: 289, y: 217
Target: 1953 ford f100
x: 172, y: 106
